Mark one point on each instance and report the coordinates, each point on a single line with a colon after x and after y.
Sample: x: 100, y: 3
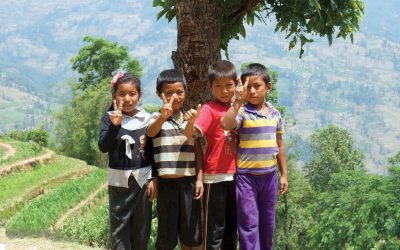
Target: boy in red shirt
x: 220, y: 226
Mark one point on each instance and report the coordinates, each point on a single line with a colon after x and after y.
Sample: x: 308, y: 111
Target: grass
x: 24, y: 150
x: 90, y: 225
x: 23, y: 186
x: 1, y: 153
x: 42, y: 213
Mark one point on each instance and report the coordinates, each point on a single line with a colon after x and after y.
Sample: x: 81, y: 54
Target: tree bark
x: 199, y: 23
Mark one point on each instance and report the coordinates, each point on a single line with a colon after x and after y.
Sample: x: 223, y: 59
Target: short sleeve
x: 154, y: 116
x: 203, y: 122
x: 280, y: 129
x: 239, y: 118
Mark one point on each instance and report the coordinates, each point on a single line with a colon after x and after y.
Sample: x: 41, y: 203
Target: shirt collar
x: 251, y: 109
x: 141, y: 113
x: 171, y: 118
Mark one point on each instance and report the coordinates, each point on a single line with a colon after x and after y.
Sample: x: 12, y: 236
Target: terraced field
x: 41, y: 199
x: 51, y: 201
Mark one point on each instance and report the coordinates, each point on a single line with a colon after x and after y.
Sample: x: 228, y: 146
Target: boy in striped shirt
x: 260, y: 150
x: 179, y: 165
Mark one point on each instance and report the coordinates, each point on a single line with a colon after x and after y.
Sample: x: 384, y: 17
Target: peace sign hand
x: 166, y: 109
x: 192, y: 114
x: 241, y: 91
x: 116, y: 115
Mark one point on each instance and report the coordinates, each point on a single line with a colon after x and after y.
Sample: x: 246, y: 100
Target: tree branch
x: 239, y: 12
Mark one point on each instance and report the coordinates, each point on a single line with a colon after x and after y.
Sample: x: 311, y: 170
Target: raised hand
x: 241, y: 91
x: 166, y: 109
x: 116, y: 115
x: 192, y: 114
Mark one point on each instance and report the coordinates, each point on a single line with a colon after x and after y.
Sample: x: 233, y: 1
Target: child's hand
x: 241, y: 91
x: 283, y: 185
x: 116, y: 115
x: 166, y: 109
x: 152, y: 189
x: 192, y: 114
x: 198, y: 190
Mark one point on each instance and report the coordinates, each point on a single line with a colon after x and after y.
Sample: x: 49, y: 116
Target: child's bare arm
x: 282, y: 164
x: 154, y: 128
x: 228, y: 121
x: 198, y: 152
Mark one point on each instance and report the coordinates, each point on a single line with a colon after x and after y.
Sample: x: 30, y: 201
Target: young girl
x: 131, y: 182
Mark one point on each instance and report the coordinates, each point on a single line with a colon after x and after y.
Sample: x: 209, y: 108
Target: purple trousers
x: 256, y: 204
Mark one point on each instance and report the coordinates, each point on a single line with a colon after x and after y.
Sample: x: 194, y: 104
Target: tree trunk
x: 199, y: 45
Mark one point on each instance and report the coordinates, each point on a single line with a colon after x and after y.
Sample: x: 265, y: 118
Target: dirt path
x: 10, y: 151
x: 27, y: 163
x: 77, y: 207
x: 31, y: 243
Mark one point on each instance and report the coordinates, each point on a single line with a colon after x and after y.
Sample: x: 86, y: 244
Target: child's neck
x: 223, y: 103
x: 177, y: 112
x: 177, y: 116
x: 132, y: 113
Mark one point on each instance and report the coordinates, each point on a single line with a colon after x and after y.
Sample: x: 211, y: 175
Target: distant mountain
x: 355, y: 86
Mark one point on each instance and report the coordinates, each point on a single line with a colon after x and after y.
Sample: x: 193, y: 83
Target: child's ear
x: 269, y: 85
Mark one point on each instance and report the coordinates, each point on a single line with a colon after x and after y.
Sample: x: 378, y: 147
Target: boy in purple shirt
x: 260, y: 150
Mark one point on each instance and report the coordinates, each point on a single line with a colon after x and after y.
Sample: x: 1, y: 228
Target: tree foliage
x: 299, y: 20
x: 78, y: 122
x: 39, y: 136
x: 99, y: 59
x: 77, y: 125
x: 358, y: 211
x: 332, y: 151
x: 395, y: 160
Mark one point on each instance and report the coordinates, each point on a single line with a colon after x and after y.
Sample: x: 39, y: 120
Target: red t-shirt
x: 220, y: 155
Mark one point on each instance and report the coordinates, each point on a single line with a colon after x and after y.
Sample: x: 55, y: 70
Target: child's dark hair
x: 221, y: 69
x: 124, y: 78
x: 170, y: 76
x: 255, y: 69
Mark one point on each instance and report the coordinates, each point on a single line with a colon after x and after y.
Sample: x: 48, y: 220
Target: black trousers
x: 130, y: 216
x: 179, y: 215
x: 219, y: 214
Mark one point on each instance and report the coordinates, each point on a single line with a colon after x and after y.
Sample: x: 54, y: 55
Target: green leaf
x: 161, y: 14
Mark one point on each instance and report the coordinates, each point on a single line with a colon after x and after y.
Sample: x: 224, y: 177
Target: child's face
x: 257, y: 90
x: 129, y: 93
x: 178, y: 91
x: 223, y: 89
